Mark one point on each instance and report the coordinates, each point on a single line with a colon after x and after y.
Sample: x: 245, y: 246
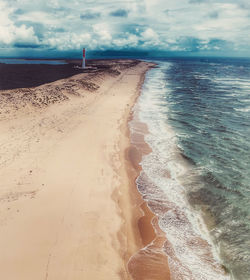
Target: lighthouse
x: 83, y: 58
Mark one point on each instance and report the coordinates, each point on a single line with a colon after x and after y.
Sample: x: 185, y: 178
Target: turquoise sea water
x: 198, y: 115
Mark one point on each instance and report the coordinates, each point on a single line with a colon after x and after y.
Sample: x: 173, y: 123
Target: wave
x: 191, y: 253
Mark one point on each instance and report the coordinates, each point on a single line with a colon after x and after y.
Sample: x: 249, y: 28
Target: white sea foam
x: 184, y: 227
x: 246, y: 109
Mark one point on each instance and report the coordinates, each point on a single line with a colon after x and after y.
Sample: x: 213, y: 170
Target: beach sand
x: 69, y: 207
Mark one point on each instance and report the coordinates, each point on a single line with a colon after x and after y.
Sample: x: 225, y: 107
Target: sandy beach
x: 68, y: 202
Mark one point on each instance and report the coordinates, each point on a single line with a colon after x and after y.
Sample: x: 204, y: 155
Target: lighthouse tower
x: 83, y: 58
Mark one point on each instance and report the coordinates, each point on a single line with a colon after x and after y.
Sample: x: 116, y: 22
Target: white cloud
x: 38, y: 16
x: 66, y: 41
x: 150, y: 34
x: 229, y: 25
x: 10, y: 33
x: 25, y: 34
x: 102, y: 31
x: 130, y: 40
x: 53, y: 3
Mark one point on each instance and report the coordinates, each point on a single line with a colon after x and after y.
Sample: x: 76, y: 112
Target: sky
x: 63, y: 27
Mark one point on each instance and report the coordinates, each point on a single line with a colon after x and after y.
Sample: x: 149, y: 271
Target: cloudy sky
x: 174, y: 26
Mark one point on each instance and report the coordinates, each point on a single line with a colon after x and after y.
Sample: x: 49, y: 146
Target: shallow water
x: 31, y: 61
x: 197, y: 177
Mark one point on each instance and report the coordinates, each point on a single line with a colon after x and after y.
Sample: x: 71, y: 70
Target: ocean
x: 197, y: 177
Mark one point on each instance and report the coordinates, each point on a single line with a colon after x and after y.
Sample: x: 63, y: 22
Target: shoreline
x: 64, y: 180
x: 140, y: 224
x: 148, y: 262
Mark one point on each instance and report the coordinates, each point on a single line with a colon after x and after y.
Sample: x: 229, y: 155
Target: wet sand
x: 69, y: 208
x: 149, y: 262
